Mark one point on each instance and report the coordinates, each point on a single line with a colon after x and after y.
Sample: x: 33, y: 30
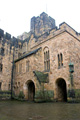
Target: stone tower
x: 42, y: 24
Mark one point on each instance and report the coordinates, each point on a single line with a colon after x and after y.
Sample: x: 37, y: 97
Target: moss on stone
x: 41, y: 77
x: 5, y: 95
x: 41, y: 96
x: 71, y: 93
x: 77, y: 93
x: 74, y: 93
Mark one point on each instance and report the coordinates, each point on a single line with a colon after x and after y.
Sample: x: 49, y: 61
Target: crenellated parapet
x: 5, y: 35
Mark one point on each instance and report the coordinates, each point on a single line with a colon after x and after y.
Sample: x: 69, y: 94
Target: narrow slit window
x: 61, y: 59
x: 27, y: 66
x: 58, y: 61
x: 46, y: 61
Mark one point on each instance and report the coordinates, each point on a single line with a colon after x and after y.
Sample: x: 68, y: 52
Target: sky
x: 15, y: 15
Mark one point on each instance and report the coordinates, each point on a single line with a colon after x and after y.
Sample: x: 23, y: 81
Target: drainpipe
x: 12, y: 73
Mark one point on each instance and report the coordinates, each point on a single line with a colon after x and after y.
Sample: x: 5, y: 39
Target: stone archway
x: 31, y: 90
x: 61, y: 90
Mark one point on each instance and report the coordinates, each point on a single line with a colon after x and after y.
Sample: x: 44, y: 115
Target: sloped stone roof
x: 41, y: 77
x: 28, y: 54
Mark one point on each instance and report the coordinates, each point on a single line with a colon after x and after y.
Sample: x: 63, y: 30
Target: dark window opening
x: 61, y: 59
x: 1, y: 67
x: 2, y: 51
x: 58, y: 61
x: 9, y: 86
x: 0, y: 37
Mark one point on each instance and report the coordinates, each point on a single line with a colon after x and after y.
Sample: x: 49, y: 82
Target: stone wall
x: 6, y: 58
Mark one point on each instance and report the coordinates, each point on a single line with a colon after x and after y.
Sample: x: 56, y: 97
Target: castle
x: 45, y: 64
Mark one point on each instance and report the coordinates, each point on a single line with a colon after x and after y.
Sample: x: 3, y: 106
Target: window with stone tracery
x: 46, y: 60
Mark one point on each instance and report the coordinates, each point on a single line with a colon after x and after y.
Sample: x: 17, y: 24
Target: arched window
x: 60, y: 60
x: 46, y: 60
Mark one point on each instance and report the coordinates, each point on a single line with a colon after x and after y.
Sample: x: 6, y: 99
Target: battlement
x: 1, y: 33
x: 5, y: 35
x: 8, y: 36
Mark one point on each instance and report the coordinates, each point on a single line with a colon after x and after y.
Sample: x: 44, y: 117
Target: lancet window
x: 46, y: 60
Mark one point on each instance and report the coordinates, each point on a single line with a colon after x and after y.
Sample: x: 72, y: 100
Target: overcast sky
x: 15, y: 15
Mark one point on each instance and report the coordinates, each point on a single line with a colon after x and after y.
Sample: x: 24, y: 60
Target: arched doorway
x: 61, y: 90
x: 31, y: 90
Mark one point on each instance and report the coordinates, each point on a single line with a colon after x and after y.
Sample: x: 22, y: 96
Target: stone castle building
x: 39, y: 65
